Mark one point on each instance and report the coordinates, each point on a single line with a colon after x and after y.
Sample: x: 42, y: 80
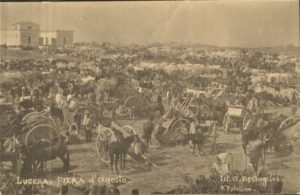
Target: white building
x: 28, y: 34
x: 58, y: 38
x: 21, y: 34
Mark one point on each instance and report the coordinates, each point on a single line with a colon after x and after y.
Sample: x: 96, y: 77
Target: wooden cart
x: 236, y: 117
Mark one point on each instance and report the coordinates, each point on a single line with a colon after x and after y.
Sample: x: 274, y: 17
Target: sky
x: 247, y: 23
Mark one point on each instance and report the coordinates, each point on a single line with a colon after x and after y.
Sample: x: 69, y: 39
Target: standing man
x: 148, y: 128
x: 159, y: 99
x: 160, y: 103
x: 87, y: 125
x: 192, y: 134
x: 59, y: 98
x: 37, y: 103
x: 227, y: 124
x: 214, y: 135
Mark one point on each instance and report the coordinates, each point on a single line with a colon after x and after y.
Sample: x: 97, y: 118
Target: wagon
x: 236, y: 117
x: 178, y: 128
x: 36, y: 127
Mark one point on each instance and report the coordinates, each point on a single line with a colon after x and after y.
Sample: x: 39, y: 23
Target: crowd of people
x: 56, y: 83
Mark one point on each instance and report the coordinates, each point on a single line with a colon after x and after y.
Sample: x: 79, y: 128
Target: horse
x: 118, y: 150
x: 254, y: 141
x: 12, y: 153
x: 41, y: 152
x: 193, y: 140
x: 255, y: 151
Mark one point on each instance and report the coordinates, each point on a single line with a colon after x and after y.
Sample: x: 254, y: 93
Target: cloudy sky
x: 244, y: 23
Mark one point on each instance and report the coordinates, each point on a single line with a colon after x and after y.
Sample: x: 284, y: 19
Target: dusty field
x: 174, y: 163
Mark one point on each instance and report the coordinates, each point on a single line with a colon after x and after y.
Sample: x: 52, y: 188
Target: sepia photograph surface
x: 150, y: 97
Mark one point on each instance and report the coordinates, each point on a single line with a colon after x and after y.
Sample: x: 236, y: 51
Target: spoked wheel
x: 177, y: 129
x: 104, y: 138
x: 42, y: 134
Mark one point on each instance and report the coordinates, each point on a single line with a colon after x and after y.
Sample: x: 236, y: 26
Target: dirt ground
x: 174, y: 163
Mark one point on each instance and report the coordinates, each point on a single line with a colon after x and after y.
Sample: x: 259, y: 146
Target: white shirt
x: 58, y: 97
x: 193, y: 128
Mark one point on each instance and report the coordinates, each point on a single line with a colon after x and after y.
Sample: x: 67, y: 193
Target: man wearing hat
x: 87, y: 125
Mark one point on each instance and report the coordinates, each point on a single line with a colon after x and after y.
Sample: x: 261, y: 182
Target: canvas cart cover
x: 235, y: 111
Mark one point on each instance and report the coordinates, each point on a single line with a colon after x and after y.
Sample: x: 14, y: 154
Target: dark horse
x: 40, y: 153
x: 193, y: 140
x: 118, y: 150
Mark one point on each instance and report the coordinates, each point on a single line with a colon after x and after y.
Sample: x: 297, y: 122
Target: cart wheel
x: 104, y: 138
x: 177, y: 129
x: 45, y: 134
